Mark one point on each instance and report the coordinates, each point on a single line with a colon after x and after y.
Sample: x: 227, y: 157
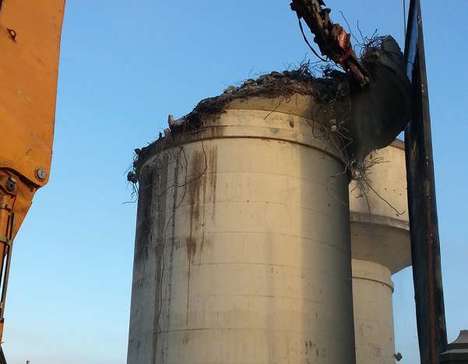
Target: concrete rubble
x: 366, y: 118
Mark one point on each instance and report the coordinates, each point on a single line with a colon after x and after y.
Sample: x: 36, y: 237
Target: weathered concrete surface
x: 373, y: 313
x: 380, y: 247
x: 379, y: 210
x: 242, y: 251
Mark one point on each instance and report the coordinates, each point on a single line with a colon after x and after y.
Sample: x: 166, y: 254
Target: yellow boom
x: 29, y: 53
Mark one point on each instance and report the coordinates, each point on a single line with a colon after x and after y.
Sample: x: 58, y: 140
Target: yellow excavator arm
x: 30, y: 34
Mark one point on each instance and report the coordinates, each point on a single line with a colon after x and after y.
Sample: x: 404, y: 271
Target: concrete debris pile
x: 273, y: 85
x: 367, y: 118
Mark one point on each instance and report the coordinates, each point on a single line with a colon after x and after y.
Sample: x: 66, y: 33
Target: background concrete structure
x: 457, y: 352
x: 380, y: 247
x: 242, y: 249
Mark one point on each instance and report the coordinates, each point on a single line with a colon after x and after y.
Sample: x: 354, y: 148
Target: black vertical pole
x: 425, y: 245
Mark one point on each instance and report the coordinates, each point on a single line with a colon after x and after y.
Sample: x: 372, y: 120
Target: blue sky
x: 124, y: 67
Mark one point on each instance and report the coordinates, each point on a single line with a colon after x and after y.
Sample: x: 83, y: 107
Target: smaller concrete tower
x: 380, y: 247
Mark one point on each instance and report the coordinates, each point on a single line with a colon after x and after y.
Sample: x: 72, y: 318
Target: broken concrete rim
x: 295, y: 119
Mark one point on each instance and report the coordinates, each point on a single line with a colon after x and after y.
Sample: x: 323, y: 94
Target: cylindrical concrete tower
x: 380, y: 247
x: 242, y: 250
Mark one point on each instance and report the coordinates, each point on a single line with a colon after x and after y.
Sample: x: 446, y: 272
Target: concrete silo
x: 242, y: 250
x: 380, y: 247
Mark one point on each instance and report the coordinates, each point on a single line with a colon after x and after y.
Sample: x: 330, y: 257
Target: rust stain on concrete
x: 196, y: 185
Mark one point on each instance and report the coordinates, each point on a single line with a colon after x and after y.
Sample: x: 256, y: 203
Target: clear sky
x: 125, y: 66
